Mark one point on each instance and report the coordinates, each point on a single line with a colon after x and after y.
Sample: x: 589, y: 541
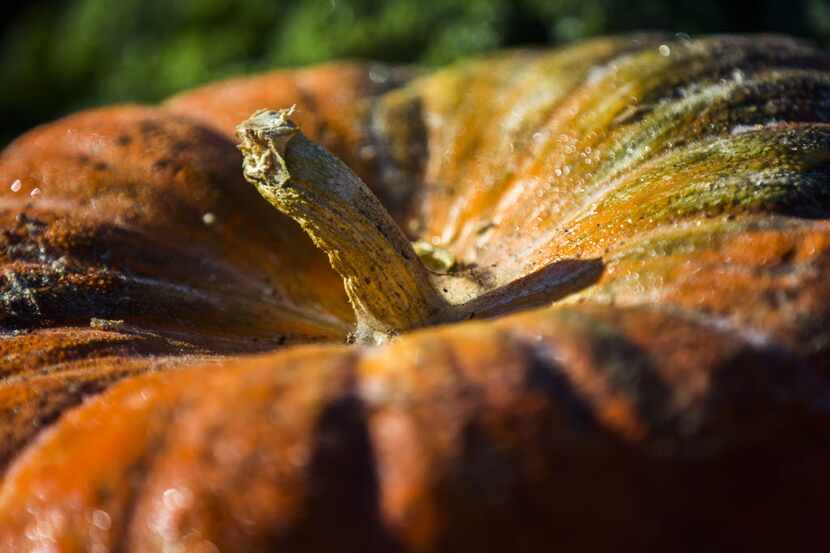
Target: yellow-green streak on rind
x: 756, y: 171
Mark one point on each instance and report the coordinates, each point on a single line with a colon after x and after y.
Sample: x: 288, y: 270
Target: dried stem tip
x: 384, y: 279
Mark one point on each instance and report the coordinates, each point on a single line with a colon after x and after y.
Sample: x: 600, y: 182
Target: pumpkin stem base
x: 385, y: 280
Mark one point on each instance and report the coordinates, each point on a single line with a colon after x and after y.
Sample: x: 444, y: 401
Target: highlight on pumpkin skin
x: 385, y: 280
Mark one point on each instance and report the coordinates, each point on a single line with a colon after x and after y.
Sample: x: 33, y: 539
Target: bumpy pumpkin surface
x: 646, y: 219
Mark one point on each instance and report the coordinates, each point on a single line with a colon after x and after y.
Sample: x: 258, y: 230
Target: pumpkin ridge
x: 610, y: 172
x: 775, y: 192
x: 581, y: 55
x: 85, y: 381
x: 139, y: 473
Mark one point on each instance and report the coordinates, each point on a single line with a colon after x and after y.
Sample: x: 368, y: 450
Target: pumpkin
x: 568, y: 299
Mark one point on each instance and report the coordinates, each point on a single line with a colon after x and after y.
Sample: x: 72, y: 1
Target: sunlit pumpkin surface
x: 645, y: 216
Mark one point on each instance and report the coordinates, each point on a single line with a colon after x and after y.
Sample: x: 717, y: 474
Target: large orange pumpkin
x: 635, y: 226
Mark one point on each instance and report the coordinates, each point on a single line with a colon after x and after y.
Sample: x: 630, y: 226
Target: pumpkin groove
x: 672, y: 394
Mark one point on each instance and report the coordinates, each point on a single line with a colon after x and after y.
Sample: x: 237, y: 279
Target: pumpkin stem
x: 385, y: 281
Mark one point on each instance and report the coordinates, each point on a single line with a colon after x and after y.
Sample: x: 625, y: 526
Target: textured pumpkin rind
x: 547, y: 424
x: 679, y: 402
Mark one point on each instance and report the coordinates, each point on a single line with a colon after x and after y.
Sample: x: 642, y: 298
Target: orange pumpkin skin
x: 676, y: 398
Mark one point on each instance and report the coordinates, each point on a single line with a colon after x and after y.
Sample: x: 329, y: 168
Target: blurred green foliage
x: 56, y: 57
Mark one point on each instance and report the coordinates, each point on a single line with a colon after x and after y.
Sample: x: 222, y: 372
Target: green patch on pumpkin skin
x: 759, y: 171
x: 434, y: 258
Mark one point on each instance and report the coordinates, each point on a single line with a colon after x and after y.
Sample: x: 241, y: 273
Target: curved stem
x: 385, y: 281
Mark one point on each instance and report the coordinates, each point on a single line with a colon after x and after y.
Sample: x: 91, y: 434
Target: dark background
x: 60, y: 56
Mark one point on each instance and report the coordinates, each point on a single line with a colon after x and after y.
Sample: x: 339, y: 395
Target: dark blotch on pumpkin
x: 149, y: 127
x: 123, y: 140
x: 161, y: 164
x: 100, y: 166
x: 180, y: 146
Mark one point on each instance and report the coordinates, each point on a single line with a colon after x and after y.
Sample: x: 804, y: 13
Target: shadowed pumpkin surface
x: 646, y: 219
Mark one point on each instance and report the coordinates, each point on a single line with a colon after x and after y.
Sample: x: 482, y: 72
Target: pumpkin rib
x: 74, y: 540
x: 38, y: 402
x: 215, y: 165
x: 715, y: 160
x: 613, y: 177
x: 331, y: 443
x: 139, y: 473
x: 758, y: 269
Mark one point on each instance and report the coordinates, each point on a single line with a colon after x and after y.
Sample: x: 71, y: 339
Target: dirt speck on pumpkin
x: 105, y: 324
